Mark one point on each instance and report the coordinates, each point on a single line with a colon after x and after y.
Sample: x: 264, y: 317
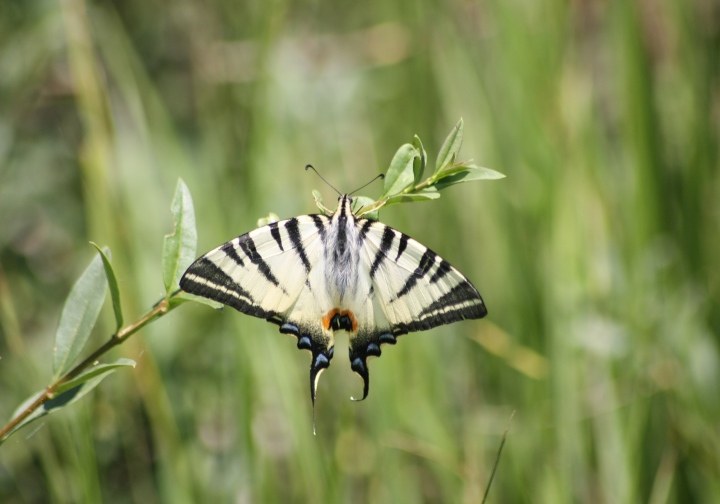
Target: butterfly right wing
x: 411, y: 289
x: 270, y: 273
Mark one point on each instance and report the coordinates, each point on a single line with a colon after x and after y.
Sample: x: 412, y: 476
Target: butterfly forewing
x: 263, y: 272
x: 418, y: 289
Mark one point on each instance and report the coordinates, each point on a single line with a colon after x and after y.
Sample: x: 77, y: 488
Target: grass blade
x: 497, y: 459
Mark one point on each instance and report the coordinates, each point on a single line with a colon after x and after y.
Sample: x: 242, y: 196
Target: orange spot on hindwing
x: 329, y: 317
x: 335, y: 319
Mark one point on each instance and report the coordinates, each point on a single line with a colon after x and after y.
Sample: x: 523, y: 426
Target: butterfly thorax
x: 341, y: 254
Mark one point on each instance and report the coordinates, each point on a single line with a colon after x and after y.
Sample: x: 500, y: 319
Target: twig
x: 158, y: 310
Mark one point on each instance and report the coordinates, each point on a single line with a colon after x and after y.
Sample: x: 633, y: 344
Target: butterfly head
x: 344, y: 208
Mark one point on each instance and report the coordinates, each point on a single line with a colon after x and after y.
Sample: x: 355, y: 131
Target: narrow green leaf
x: 373, y: 209
x: 420, y: 162
x: 467, y: 175
x: 400, y: 174
x: 427, y: 194
x: 318, y: 197
x: 180, y: 246
x: 32, y: 416
x: 79, y: 315
x: 90, y: 379
x: 112, y: 283
x: 97, y: 370
x: 450, y: 147
x: 364, y: 201
x: 468, y: 166
x: 319, y: 201
x: 184, y: 297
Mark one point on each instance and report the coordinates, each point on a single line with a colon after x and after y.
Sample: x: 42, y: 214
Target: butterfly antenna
x: 381, y: 176
x: 323, y: 178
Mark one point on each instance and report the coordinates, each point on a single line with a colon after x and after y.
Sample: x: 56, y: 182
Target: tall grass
x: 596, y: 256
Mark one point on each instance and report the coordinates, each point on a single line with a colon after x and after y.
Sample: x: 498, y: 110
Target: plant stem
x: 120, y: 336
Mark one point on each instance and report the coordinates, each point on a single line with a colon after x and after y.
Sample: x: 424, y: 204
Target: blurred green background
x: 597, y: 255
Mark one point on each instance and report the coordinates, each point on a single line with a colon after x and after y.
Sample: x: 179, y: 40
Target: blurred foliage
x: 596, y: 256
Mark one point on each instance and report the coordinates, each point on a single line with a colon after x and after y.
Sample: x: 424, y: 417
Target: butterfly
x: 314, y: 275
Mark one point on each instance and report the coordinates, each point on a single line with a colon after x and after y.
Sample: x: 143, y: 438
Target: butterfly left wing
x: 411, y: 289
x: 271, y: 273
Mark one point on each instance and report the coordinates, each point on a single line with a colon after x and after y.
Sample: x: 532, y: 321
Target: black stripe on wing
x: 366, y: 225
x: 231, y: 252
x: 462, y: 302
x: 426, y: 262
x: 385, y: 243
x: 293, y: 229
x: 275, y: 233
x: 204, y: 278
x: 441, y: 271
x: 321, y: 222
x: 247, y: 245
x: 402, y: 246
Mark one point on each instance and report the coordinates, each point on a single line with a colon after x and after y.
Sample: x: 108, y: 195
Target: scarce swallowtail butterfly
x: 314, y: 275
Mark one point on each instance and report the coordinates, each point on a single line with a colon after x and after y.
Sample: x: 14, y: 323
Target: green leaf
x: 113, y: 284
x: 93, y: 372
x: 420, y: 162
x: 427, y: 194
x: 180, y: 246
x: 264, y: 221
x: 319, y: 202
x: 400, y: 174
x: 318, y: 197
x: 184, y: 297
x: 467, y: 175
x: 81, y: 385
x: 450, y: 148
x: 362, y: 201
x: 79, y: 315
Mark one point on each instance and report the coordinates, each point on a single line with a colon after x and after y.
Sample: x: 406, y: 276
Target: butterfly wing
x: 412, y: 289
x: 270, y: 273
